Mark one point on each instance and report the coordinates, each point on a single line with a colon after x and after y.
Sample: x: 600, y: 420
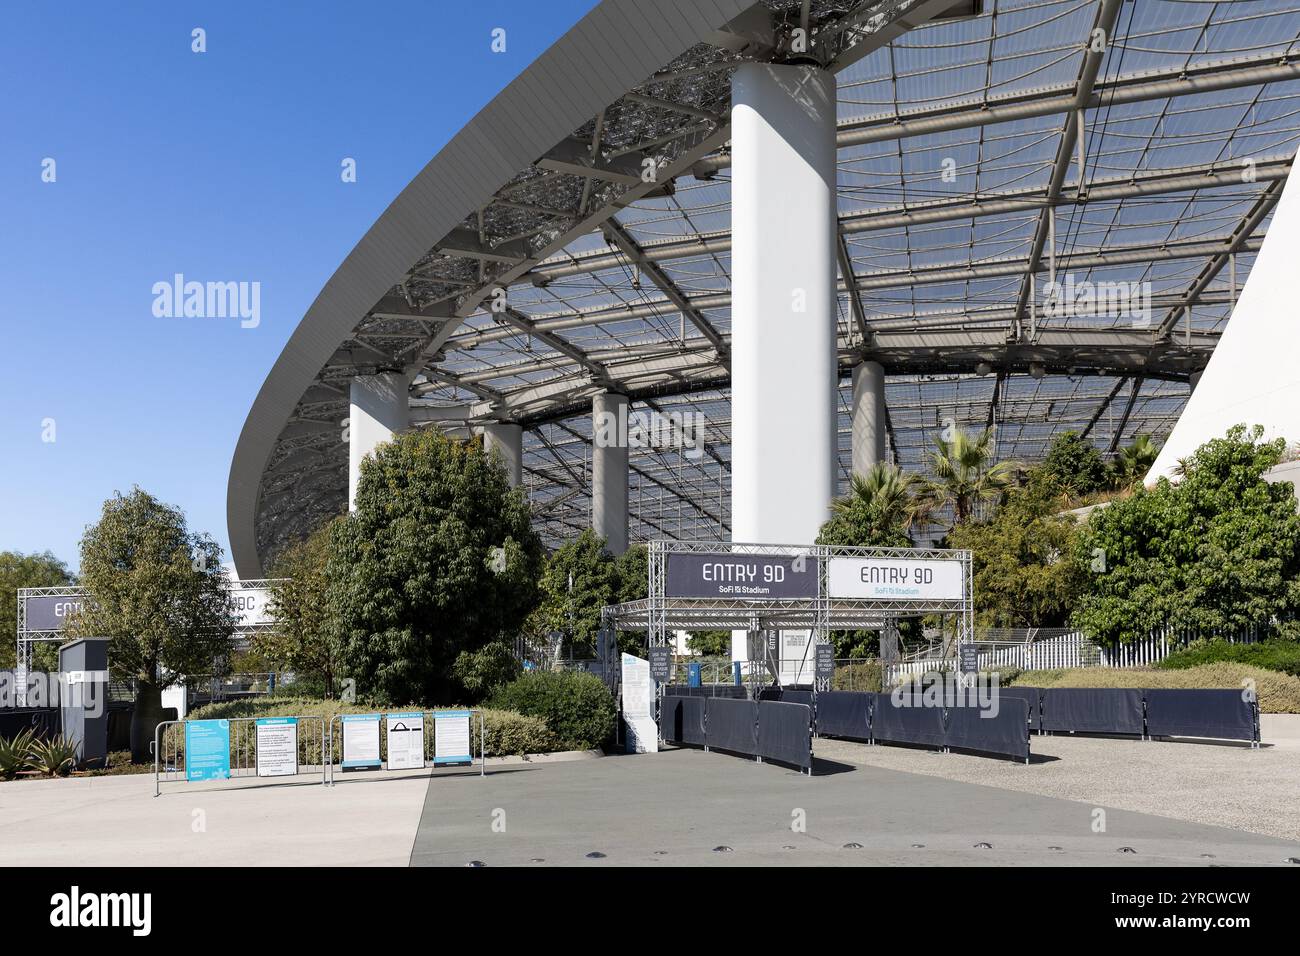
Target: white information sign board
x: 405, y: 741
x: 638, y: 706
x: 277, y: 747
x: 896, y: 579
x: 451, y: 737
x: 361, y: 741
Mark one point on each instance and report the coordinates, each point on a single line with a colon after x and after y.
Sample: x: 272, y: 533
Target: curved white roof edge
x: 615, y: 47
x: 1253, y: 377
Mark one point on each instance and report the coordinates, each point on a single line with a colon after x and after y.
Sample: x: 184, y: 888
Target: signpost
x: 638, y: 705
x: 360, y: 741
x: 661, y: 664
x: 451, y: 737
x: 824, y: 664
x: 746, y: 577
x: 277, y: 746
x: 207, y: 750
x: 968, y: 663
x: 405, y: 741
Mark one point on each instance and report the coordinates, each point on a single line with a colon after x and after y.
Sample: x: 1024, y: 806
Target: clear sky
x: 223, y: 166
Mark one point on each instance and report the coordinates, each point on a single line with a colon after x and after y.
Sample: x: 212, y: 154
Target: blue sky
x: 223, y: 166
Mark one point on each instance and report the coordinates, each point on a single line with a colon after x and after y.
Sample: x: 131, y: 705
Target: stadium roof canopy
x: 978, y: 156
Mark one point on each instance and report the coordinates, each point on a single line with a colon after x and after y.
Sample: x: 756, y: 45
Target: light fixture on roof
x: 1037, y: 370
x: 983, y: 368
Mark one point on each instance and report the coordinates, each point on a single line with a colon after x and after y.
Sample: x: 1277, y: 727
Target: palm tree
x: 885, y: 491
x: 1134, y: 462
x: 965, y: 474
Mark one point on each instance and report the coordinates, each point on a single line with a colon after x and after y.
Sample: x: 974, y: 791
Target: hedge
x: 1283, y: 656
x: 1278, y: 693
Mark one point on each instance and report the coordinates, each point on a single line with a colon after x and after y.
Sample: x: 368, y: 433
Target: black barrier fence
x: 906, y: 722
x: 682, y: 719
x: 1004, y: 731
x: 731, y: 725
x: 1033, y: 698
x: 1226, y: 714
x: 843, y: 713
x: 1093, y: 710
x: 784, y: 733
x: 769, y: 730
x: 729, y: 691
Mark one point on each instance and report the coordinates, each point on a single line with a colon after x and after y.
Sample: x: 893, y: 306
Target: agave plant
x: 54, y: 757
x: 15, y: 754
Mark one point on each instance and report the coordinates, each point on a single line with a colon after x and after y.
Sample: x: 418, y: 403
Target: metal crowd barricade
x: 169, y: 757
x: 335, y: 740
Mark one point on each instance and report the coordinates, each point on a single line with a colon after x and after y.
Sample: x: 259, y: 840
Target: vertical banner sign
x: 825, y: 665
x: 277, y: 746
x: 207, y: 750
x: 451, y: 737
x: 360, y: 741
x: 638, y: 706
x: 969, y: 659
x: 661, y: 664
x: 405, y: 741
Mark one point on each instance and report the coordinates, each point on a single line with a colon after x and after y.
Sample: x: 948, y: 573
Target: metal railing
x: 170, y: 756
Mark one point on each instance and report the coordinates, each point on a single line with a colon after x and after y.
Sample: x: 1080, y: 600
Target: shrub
x: 576, y: 707
x: 490, y: 666
x: 862, y: 677
x: 15, y: 754
x: 1278, y: 693
x: 1283, y: 656
x: 55, y: 757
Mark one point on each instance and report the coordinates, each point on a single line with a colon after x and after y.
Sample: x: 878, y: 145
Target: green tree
x: 438, y: 559
x: 1076, y: 464
x: 159, y: 594
x: 18, y: 570
x: 1215, y: 553
x: 579, y: 579
x: 710, y: 643
x: 965, y: 475
x: 878, y: 511
x: 1133, y: 462
x: 1024, y: 570
x: 305, y: 638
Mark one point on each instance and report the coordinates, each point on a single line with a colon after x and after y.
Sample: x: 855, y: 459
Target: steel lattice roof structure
x: 977, y: 155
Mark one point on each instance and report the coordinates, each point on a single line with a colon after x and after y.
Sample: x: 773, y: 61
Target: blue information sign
x: 207, y: 750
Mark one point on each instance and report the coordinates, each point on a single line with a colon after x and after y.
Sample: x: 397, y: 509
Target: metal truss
x: 1154, y: 157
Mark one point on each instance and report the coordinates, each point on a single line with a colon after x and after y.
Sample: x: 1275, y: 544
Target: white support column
x: 507, y: 440
x: 783, y: 302
x: 784, y: 376
x: 379, y: 411
x: 868, y: 416
x: 609, y: 469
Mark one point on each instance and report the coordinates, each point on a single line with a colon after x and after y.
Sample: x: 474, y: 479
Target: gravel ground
x: 1219, y: 784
